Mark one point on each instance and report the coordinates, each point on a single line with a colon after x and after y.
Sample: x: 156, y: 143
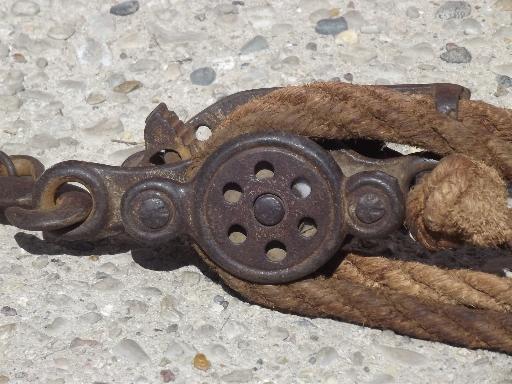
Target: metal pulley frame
x: 270, y: 207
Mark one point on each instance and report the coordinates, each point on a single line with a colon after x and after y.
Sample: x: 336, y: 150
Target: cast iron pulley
x: 268, y: 207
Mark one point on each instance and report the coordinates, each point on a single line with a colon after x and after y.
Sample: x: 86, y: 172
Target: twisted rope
x: 462, y: 307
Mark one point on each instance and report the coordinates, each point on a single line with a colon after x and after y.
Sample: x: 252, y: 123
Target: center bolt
x: 269, y: 209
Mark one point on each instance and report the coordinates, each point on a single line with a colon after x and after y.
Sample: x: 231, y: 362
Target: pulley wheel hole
x: 264, y: 170
x: 307, y: 228
x: 301, y: 188
x: 275, y: 251
x: 232, y: 193
x: 203, y: 133
x: 237, y: 234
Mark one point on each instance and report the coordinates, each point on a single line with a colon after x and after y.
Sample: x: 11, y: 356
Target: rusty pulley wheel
x: 268, y: 207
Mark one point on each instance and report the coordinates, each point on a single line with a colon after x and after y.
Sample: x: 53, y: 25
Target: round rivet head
x: 154, y: 212
x: 370, y: 208
x: 268, y: 209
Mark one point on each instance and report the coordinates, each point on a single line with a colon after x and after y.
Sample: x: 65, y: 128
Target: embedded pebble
x: 125, y: 8
x: 41, y: 62
x: 203, y: 76
x: 8, y: 311
x: 456, y: 55
x: 238, y: 376
x: 174, y: 350
x: 471, y: 27
x: 90, y: 318
x: 108, y: 284
x: 331, y: 26
x: 136, y: 307
x: 95, y: 98
x: 131, y: 351
x: 453, y: 10
x: 326, y: 356
x: 412, y: 12
x: 109, y: 126
x: 201, y: 362
x: 173, y: 71
x: 78, y: 343
x: 279, y: 333
x: 7, y: 331
x: 9, y: 103
x: 354, y: 19
x: 61, y: 32
x: 115, y: 79
x: 40, y: 262
x: 57, y: 326
x: 256, y: 44
x: 503, y: 5
x: 167, y: 375
x: 347, y: 37
x: 403, y: 355
x: 144, y: 65
x: 311, y: 46
x: 504, y: 81
x: 25, y: 8
x: 128, y: 86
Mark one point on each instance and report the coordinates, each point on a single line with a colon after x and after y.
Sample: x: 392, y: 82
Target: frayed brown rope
x: 460, y: 201
x: 411, y: 298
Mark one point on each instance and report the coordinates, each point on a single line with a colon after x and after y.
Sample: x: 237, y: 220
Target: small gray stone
x: 131, y: 351
x: 174, y: 350
x: 108, y: 126
x: 454, y: 10
x: 90, y: 318
x: 278, y: 333
x: 150, y: 292
x: 331, y: 26
x: 25, y: 8
x: 173, y: 71
x: 58, y: 326
x: 41, y: 62
x: 128, y: 86
x: 109, y: 268
x: 7, y: 331
x: 412, y: 12
x: 238, y: 376
x: 203, y: 76
x: 95, y: 98
x: 108, y: 284
x: 136, y: 307
x: 311, y: 46
x: 9, y: 103
x: 8, y: 311
x: 256, y: 44
x: 354, y: 19
x: 503, y: 5
x: 40, y: 262
x: 326, y: 356
x: 145, y: 65
x: 125, y: 8
x: 471, y: 27
x: 456, y: 55
x: 115, y: 79
x: 61, y: 32
x: 504, y: 81
x: 382, y: 378
x: 78, y: 342
x: 403, y: 356
x: 357, y: 358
